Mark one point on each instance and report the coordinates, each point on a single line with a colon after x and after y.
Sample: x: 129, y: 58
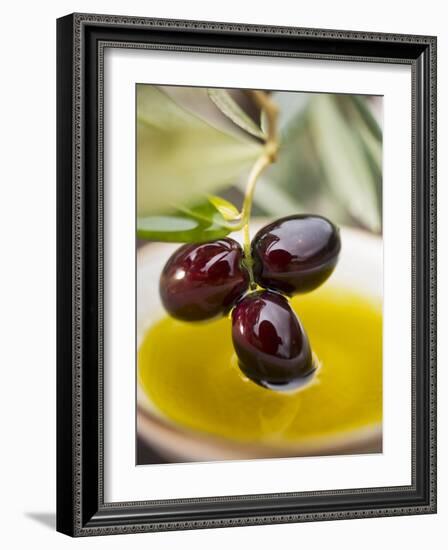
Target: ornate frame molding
x: 81, y: 42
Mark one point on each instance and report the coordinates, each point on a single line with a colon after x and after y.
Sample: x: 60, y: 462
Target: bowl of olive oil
x: 194, y: 403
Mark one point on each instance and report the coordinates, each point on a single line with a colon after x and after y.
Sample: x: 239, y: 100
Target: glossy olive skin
x: 272, y: 347
x: 296, y: 254
x: 203, y: 281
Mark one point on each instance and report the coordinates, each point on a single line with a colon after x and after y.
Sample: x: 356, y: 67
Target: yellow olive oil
x: 190, y: 373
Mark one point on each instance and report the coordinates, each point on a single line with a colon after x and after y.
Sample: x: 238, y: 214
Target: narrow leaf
x: 227, y: 210
x: 199, y: 223
x: 344, y: 162
x: 178, y: 229
x: 366, y: 114
x: 180, y: 157
x: 230, y: 108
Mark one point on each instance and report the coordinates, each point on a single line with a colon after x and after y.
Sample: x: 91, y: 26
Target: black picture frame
x: 81, y: 509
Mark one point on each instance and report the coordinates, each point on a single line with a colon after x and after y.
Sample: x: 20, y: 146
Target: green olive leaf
x: 180, y: 157
x: 230, y: 108
x: 200, y: 223
x: 227, y: 210
x: 367, y: 128
x: 178, y: 229
x: 344, y: 162
x: 359, y: 102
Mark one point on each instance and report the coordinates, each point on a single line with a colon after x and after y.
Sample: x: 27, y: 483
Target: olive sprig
x: 290, y: 256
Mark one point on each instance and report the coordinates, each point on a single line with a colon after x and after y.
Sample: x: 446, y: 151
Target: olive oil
x: 190, y: 373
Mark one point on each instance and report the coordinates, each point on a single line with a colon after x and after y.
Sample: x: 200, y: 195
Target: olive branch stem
x: 268, y: 156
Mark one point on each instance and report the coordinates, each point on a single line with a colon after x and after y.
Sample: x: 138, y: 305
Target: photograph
x: 259, y: 274
x: 246, y: 293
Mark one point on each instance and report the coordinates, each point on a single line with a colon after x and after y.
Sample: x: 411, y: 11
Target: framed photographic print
x: 246, y: 274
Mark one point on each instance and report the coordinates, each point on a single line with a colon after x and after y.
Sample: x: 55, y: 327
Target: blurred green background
x: 197, y: 142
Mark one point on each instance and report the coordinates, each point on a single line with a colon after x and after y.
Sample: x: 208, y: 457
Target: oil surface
x: 190, y: 373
